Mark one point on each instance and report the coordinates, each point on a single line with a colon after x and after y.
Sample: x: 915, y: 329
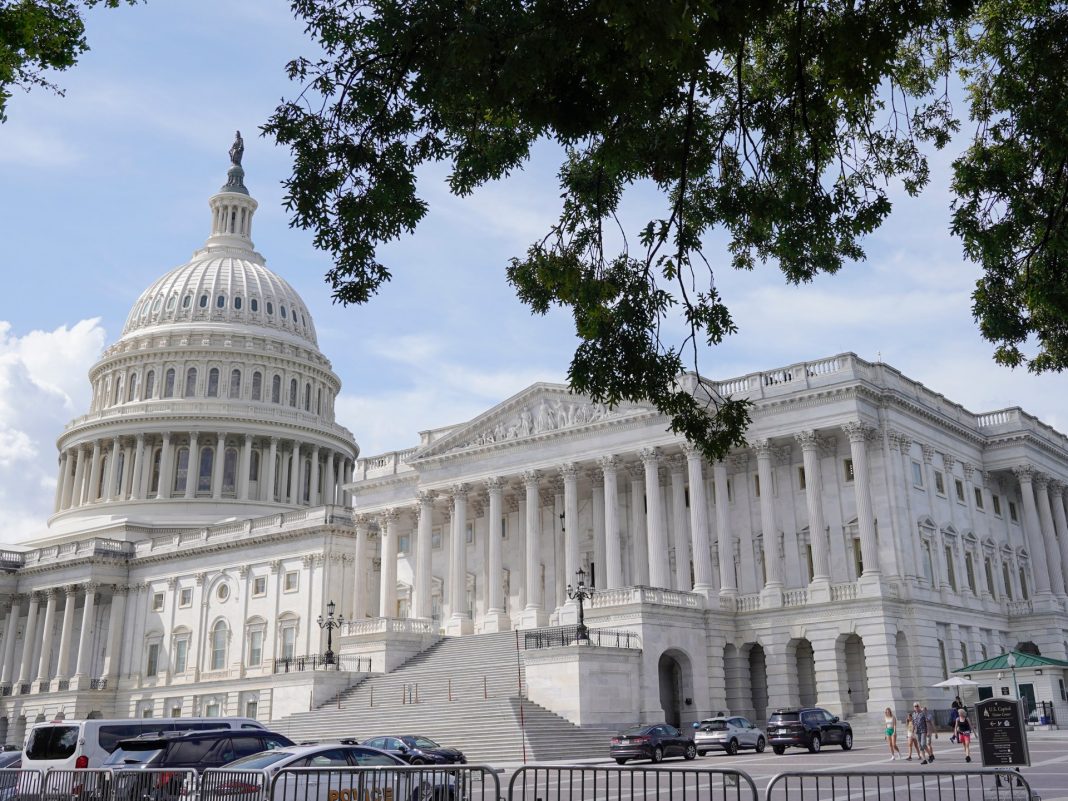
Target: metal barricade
x: 155, y: 784
x: 893, y: 785
x: 562, y: 783
x: 18, y: 784
x: 387, y: 783
x: 220, y: 784
x: 87, y: 784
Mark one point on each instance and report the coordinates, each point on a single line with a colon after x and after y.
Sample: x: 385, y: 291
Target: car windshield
x: 784, y: 717
x: 133, y: 756
x: 259, y: 761
x: 713, y: 725
x: 421, y: 742
x: 636, y: 730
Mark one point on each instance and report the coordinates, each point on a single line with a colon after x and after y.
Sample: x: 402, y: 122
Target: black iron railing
x: 297, y: 664
x: 98, y: 684
x: 568, y: 635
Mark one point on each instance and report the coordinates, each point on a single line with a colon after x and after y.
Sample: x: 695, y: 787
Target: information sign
x: 1002, y: 734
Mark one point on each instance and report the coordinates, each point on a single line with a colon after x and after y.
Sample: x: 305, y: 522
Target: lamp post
x: 330, y: 623
x: 1011, y: 662
x: 581, y: 593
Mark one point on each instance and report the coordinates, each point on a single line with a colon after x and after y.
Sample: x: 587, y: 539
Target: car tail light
x: 164, y: 778
x: 642, y: 739
x: 82, y: 762
x: 616, y: 741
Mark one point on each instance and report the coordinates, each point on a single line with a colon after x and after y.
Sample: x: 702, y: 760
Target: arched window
x: 254, y: 304
x: 168, y: 384
x: 105, y: 465
x: 153, y: 484
x: 187, y: 301
x: 219, y: 635
x: 172, y: 301
x: 119, y: 473
x: 116, y: 397
x: 270, y: 307
x: 229, y: 482
x: 293, y: 392
x: 307, y: 397
x: 257, y: 386
x: 213, y: 382
x: 207, y: 460
x: 276, y: 389
x: 191, y: 382
x: 203, y: 301
x: 237, y: 302
x: 181, y: 473
x: 276, y: 490
x: 131, y: 392
x: 220, y: 302
x: 235, y: 383
x: 150, y: 384
x: 254, y: 467
x: 157, y: 304
x: 319, y: 401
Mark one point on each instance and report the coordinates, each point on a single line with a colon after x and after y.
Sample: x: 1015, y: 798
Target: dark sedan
x: 655, y: 742
x: 416, y: 750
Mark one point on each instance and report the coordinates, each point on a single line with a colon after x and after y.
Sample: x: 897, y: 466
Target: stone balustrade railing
x: 384, y: 625
x: 80, y: 549
x: 621, y: 596
x: 748, y: 603
x: 795, y: 597
x: 843, y: 592
x: 1022, y: 607
x: 383, y: 464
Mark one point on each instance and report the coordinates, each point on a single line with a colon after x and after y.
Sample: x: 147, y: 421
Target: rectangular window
x: 1013, y: 516
x: 995, y: 501
x: 950, y: 572
x: 435, y: 538
x: 928, y: 563
x: 157, y: 602
x: 942, y: 659
x: 504, y: 528
x: 255, y: 648
x: 958, y: 486
x: 808, y: 562
x: 146, y: 712
x: 940, y: 483
x: 289, y: 642
x: 469, y: 534
x: 404, y: 543
x: 917, y: 474
x: 251, y: 708
x: 291, y: 582
x: 847, y: 469
x: 858, y: 557
x: 756, y: 485
x: 176, y: 711
x: 801, y: 478
x: 181, y: 655
x: 212, y: 710
x: 1023, y: 584
x: 259, y: 586
x: 988, y: 567
x: 969, y: 567
x: 1007, y: 578
x: 185, y: 597
x: 978, y: 498
x: 152, y: 666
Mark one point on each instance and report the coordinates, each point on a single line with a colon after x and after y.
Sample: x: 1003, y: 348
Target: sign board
x: 1002, y: 733
x: 1004, y: 690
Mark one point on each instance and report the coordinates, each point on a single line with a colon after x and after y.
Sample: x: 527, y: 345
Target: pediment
x: 539, y: 411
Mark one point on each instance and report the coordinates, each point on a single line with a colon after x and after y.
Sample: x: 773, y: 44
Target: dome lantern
x: 232, y: 208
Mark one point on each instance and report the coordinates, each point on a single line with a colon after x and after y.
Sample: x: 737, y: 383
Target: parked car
x: 810, y: 728
x: 249, y: 779
x: 417, y: 750
x: 654, y: 742
x: 196, y: 750
x: 728, y: 734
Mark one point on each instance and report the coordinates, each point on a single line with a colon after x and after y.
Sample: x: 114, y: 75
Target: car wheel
x: 418, y: 761
x: 847, y: 741
x: 658, y: 754
x: 621, y: 761
x: 814, y: 744
x: 691, y: 751
x: 761, y: 745
x: 779, y: 749
x: 732, y: 747
x: 702, y: 753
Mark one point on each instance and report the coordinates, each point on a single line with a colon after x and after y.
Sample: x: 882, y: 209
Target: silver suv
x: 728, y: 734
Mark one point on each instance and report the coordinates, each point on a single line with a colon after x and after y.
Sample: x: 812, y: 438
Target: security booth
x: 1038, y: 682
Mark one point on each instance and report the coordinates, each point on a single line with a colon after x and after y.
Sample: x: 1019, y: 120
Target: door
x: 986, y: 692
x: 832, y: 729
x: 1027, y: 695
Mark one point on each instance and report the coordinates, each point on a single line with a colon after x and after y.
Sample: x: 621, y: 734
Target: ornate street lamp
x: 330, y: 623
x: 1010, y: 660
x: 581, y: 593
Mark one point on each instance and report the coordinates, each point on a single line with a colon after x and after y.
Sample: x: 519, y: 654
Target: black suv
x: 810, y: 728
x: 195, y: 750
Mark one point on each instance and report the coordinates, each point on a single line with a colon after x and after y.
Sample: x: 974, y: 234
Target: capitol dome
x: 214, y: 403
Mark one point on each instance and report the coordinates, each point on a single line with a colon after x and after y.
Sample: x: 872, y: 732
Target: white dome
x: 223, y: 288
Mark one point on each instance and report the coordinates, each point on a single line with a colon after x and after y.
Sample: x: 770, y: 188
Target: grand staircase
x: 462, y: 692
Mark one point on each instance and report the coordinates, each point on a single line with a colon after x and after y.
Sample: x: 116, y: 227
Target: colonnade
x: 1045, y: 526
x: 188, y: 465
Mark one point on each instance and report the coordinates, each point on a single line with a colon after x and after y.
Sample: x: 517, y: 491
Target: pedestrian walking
x: 890, y: 731
x: 963, y: 729
x: 919, y: 727
x: 910, y: 735
x: 932, y: 735
x: 956, y: 707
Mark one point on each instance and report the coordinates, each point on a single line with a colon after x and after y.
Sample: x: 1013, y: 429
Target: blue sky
x: 106, y: 188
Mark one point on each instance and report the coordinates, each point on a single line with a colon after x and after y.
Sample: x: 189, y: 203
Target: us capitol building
x: 871, y: 538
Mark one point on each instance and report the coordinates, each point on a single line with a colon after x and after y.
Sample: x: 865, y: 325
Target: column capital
x: 689, y: 449
x: 763, y: 448
x: 1041, y: 481
x: 70, y: 589
x: 531, y: 478
x: 928, y: 453
x: 808, y: 440
x: 569, y: 471
x: 165, y: 436
x: 595, y: 476
x: 969, y: 471
x: 494, y: 485
x: 201, y: 578
x: 389, y: 516
x: 948, y: 462
x: 898, y: 440
x: 51, y: 592
x: 275, y: 566
x: 676, y: 463
x: 120, y: 589
x: 649, y: 456
x: 857, y: 431
x: 362, y: 523
x: 139, y: 438
x: 426, y: 496
x: 606, y: 463
x: 91, y: 587
x: 636, y: 471
x: 1024, y: 473
x: 315, y: 449
x: 458, y: 492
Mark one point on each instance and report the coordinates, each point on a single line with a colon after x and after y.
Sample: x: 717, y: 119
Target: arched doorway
x: 758, y: 681
x: 805, y: 670
x: 1027, y: 647
x: 676, y: 684
x: 852, y: 652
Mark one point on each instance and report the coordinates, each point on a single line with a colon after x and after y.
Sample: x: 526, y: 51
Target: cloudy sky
x: 106, y: 188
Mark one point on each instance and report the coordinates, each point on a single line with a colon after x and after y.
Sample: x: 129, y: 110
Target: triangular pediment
x: 539, y: 411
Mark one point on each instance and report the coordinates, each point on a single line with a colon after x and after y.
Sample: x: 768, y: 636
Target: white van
x: 76, y: 744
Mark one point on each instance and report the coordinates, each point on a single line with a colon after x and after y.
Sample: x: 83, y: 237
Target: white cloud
x: 42, y: 385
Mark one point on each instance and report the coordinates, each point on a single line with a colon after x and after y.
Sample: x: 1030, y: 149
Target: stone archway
x: 675, y: 676
x: 804, y: 667
x: 851, y: 662
x: 758, y: 681
x: 1027, y: 647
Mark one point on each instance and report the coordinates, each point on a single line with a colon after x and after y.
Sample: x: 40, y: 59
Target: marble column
x: 387, y: 528
x: 459, y: 619
x: 346, y: 496
x: 111, y: 490
x: 597, y: 518
x: 67, y: 478
x: 115, y: 621
x: 267, y: 493
x: 1052, y: 551
x: 1061, y: 522
x: 29, y: 638
x: 218, y: 465
x: 331, y: 479
x: 495, y: 619
x: 359, y: 585
x: 61, y: 482
x: 659, y: 562
x: 66, y: 632
x: 422, y: 607
x: 703, y: 578
x: 569, y: 473
x: 296, y: 491
x: 192, y: 471
x: 137, y: 485
x: 869, y: 548
x: 91, y: 492
x: 1033, y: 532
x: 773, y: 584
x: 83, y: 663
x: 728, y: 584
x: 77, y: 485
x: 820, y: 587
x: 534, y: 614
x: 44, y: 669
x: 166, y: 463
x: 613, y: 554
x: 313, y: 492
x: 677, y: 467
x: 245, y: 469
x: 10, y: 633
